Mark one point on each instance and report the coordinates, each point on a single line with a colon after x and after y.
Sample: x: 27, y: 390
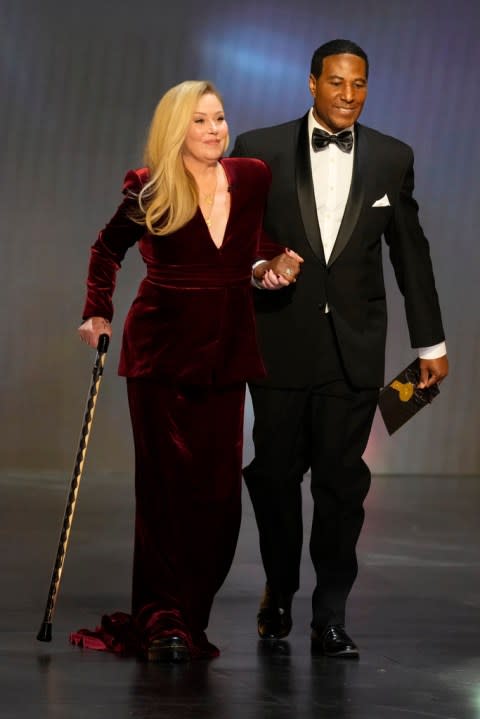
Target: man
x: 337, y: 188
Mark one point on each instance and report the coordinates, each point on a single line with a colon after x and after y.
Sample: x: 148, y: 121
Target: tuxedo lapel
x: 355, y: 196
x: 305, y: 192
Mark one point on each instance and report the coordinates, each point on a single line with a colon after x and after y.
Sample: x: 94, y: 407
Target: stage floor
x: 414, y: 613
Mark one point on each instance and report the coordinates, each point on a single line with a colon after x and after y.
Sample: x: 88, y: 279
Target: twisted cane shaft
x: 45, y: 631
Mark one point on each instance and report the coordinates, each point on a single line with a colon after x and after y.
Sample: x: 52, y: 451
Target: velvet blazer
x: 380, y: 204
x: 192, y: 320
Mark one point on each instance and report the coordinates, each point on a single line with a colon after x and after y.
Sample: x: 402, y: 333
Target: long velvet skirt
x: 188, y: 458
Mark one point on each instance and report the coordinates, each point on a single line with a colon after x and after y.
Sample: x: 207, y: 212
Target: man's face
x: 340, y: 91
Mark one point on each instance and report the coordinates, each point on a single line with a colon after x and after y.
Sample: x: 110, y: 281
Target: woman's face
x: 205, y: 138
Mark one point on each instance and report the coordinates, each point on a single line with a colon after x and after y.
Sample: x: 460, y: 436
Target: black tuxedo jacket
x: 352, y: 280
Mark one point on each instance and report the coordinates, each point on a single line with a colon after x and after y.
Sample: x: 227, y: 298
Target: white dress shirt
x: 332, y: 176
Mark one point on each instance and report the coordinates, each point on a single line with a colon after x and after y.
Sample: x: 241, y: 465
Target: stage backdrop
x: 79, y: 82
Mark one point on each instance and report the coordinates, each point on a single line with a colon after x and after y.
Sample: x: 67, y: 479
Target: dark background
x: 78, y: 85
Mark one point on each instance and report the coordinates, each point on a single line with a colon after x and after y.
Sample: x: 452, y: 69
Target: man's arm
x: 410, y: 257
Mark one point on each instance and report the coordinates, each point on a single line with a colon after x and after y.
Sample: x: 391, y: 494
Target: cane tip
x: 45, y: 633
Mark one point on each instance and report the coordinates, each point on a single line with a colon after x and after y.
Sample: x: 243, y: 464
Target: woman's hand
x: 279, y: 272
x: 92, y: 328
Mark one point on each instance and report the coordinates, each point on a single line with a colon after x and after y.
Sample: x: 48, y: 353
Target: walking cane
x: 45, y: 633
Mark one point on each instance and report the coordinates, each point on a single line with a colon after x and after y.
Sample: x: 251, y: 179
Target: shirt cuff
x: 433, y: 352
x: 256, y: 283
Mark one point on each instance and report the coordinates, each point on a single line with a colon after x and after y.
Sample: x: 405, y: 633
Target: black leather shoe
x: 334, y: 642
x: 274, y: 620
x: 172, y: 650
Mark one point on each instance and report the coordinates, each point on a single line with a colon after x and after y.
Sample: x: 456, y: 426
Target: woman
x: 188, y: 349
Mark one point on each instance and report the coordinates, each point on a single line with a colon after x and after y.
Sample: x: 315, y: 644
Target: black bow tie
x: 320, y: 139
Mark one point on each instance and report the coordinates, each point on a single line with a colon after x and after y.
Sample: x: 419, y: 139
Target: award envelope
x: 401, y: 398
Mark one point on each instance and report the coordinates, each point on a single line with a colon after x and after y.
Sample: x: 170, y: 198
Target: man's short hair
x: 335, y: 47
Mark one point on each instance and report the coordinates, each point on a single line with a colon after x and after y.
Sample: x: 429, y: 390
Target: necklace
x: 209, y: 199
x: 208, y: 220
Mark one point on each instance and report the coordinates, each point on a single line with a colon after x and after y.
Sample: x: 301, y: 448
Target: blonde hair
x: 170, y: 197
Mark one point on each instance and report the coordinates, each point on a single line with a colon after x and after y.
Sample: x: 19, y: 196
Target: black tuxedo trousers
x: 324, y: 428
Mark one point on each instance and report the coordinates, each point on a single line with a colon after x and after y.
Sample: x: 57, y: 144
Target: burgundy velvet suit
x: 192, y: 319
x: 189, y: 345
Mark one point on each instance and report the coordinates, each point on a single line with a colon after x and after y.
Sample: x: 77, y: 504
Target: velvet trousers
x: 188, y: 455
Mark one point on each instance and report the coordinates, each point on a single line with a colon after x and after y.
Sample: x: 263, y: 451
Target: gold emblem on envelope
x: 405, y: 390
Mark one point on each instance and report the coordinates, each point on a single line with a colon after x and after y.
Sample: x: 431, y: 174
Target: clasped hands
x: 279, y: 272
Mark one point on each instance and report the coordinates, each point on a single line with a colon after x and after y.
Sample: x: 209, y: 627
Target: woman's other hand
x: 91, y: 329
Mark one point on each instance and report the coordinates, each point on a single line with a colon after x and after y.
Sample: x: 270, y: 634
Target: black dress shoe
x: 274, y: 620
x: 334, y: 642
x: 172, y: 650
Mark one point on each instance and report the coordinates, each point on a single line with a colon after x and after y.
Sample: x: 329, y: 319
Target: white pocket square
x: 382, y: 202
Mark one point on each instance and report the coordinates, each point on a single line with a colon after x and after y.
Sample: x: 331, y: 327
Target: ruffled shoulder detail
x: 135, y: 180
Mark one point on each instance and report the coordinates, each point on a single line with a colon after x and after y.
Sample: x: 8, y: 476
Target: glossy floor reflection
x: 414, y: 613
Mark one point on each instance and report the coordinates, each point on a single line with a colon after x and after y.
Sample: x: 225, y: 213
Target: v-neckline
x: 229, y: 190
